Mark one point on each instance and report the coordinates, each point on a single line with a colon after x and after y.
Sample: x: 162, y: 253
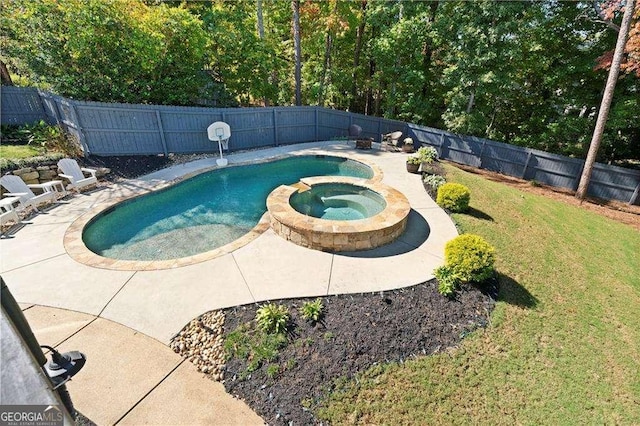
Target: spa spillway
x: 336, y: 213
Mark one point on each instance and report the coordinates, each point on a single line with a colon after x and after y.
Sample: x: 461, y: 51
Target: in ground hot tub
x: 337, y: 201
x: 335, y: 213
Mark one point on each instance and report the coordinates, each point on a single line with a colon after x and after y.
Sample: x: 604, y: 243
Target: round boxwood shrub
x: 454, y: 197
x: 470, y: 257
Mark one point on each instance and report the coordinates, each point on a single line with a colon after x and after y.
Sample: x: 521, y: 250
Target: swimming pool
x: 204, y: 212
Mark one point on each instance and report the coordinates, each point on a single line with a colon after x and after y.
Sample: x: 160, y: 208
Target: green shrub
x: 447, y: 280
x: 272, y: 318
x: 454, y: 197
x: 414, y: 159
x: 312, y: 311
x: 434, y: 181
x: 427, y: 154
x: 470, y: 257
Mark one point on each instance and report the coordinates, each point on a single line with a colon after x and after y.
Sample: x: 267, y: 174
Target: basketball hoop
x: 220, y: 132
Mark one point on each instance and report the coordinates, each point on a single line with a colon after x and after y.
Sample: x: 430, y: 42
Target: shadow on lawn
x: 514, y: 293
x: 478, y: 214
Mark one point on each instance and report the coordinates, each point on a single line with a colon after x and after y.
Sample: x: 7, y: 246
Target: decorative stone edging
x: 201, y: 342
x: 338, y: 235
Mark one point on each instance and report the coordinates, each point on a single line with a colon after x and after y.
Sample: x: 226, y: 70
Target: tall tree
x: 603, y: 113
x: 295, y: 7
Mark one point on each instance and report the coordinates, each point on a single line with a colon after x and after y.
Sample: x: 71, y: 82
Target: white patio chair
x: 18, y: 188
x: 7, y: 213
x: 74, y: 173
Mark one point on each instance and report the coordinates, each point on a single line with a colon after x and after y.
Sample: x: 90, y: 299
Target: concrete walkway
x: 38, y: 271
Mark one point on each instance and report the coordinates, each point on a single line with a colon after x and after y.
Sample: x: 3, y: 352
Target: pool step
x: 301, y: 187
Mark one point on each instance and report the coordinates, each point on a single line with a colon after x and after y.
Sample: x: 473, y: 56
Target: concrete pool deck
x: 158, y: 303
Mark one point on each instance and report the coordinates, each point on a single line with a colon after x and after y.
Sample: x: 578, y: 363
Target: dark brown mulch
x: 133, y: 166
x: 357, y: 332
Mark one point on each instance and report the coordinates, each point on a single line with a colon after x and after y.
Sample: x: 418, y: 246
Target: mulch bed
x: 357, y: 332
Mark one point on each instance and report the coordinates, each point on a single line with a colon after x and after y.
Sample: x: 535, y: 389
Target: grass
x: 19, y: 151
x: 564, y: 343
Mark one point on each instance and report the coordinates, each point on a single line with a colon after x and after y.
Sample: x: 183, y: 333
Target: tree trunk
x: 4, y: 74
x: 585, y: 178
x: 326, y: 65
x: 261, y: 36
x: 260, y: 20
x: 356, y: 59
x: 428, y: 50
x: 295, y: 6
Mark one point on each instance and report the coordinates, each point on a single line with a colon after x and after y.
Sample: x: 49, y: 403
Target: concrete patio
x: 123, y: 319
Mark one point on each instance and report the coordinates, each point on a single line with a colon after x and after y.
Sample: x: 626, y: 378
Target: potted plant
x: 413, y: 163
x: 427, y: 155
x: 407, y: 146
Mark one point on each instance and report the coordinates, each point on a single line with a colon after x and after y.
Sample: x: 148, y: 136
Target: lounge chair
x: 74, y: 173
x: 7, y: 213
x: 391, y: 141
x: 18, y: 188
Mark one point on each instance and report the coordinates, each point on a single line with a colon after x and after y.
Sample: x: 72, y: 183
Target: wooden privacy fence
x: 126, y: 129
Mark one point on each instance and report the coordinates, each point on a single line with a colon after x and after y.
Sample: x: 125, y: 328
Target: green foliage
x: 254, y: 346
x: 312, y: 311
x: 427, y: 154
x: 121, y: 51
x: 470, y: 258
x: 47, y: 138
x: 515, y: 72
x: 453, y: 197
x: 448, y: 282
x: 272, y: 318
x: 434, y: 181
x: 273, y: 370
x: 414, y: 159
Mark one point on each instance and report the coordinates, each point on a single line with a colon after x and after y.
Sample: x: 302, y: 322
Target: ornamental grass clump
x: 312, y: 311
x: 468, y: 258
x: 272, y: 318
x: 454, y: 197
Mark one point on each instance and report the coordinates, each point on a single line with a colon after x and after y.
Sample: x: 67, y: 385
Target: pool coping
x: 78, y: 251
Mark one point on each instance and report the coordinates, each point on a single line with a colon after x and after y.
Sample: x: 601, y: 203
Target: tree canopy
x: 528, y: 73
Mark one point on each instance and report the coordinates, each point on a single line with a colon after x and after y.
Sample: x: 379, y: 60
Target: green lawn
x: 19, y: 151
x: 564, y: 342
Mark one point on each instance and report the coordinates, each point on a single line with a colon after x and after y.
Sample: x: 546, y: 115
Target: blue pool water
x: 338, y: 201
x: 204, y: 212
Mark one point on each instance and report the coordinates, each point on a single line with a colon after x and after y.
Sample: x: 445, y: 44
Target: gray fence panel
x: 333, y: 124
x: 555, y: 170
x: 293, y: 125
x: 119, y: 129
x: 462, y: 150
x: 21, y: 105
x: 611, y: 182
x: 371, y: 126
x: 502, y: 158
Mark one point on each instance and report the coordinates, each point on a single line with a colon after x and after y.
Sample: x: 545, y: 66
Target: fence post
x: 161, y: 130
x: 275, y: 127
x: 484, y: 143
x: 636, y: 196
x: 441, y: 145
x: 526, y: 165
x: 315, y: 118
x: 81, y: 137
